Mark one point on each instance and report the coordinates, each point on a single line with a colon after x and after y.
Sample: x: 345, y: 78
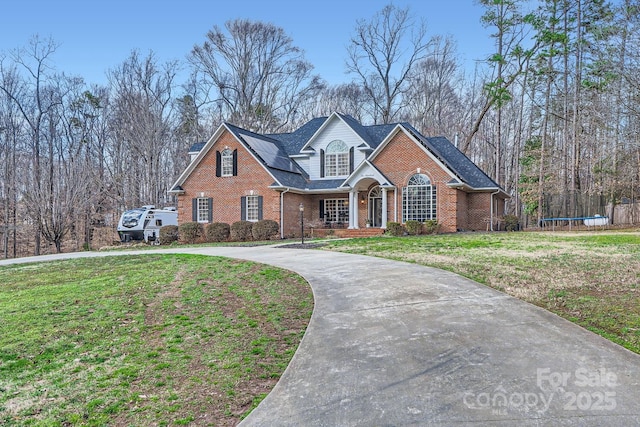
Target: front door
x: 375, y: 207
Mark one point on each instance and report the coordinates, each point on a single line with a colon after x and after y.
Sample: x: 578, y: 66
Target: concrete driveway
x: 397, y: 344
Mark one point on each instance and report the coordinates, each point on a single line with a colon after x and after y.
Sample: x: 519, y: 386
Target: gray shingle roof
x: 294, y: 141
x: 196, y: 147
x: 467, y: 171
x: 287, y: 144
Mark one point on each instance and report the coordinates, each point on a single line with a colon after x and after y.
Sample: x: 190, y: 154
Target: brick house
x: 344, y: 174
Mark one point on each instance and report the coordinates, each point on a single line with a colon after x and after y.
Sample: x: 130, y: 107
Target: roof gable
x: 442, y: 151
x: 366, y: 170
x: 464, y: 169
x: 276, y: 162
x: 349, y: 121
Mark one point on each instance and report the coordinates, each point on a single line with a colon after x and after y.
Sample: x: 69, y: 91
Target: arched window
x: 226, y: 158
x: 418, y: 199
x: 336, y: 159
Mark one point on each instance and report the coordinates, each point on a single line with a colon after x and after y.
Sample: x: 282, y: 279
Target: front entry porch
x: 368, y: 207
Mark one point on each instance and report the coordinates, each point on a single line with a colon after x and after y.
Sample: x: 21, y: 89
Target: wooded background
x: 552, y: 115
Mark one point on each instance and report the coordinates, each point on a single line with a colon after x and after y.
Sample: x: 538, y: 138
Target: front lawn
x: 590, y: 278
x: 144, y: 340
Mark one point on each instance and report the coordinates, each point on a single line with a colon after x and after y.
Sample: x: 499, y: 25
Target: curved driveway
x: 397, y: 344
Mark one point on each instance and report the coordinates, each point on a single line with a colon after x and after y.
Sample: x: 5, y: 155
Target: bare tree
x: 260, y: 77
x: 382, y: 54
x: 142, y: 121
x: 66, y: 184
x: 10, y: 129
x: 35, y: 98
x: 346, y: 98
x: 434, y: 104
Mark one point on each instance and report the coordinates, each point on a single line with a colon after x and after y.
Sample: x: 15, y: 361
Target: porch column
x: 384, y: 208
x: 354, y: 221
x: 353, y: 199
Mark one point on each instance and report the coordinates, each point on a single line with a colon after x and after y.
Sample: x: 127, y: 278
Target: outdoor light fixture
x: 362, y: 199
x: 302, y: 222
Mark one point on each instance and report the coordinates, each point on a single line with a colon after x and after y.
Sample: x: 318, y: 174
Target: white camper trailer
x: 144, y: 223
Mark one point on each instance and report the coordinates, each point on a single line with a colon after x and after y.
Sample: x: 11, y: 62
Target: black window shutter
x: 235, y: 162
x: 194, y: 209
x: 321, y: 209
x: 210, y: 208
x: 243, y: 208
x: 259, y: 208
x: 321, y: 163
x: 351, y: 160
x: 218, y: 163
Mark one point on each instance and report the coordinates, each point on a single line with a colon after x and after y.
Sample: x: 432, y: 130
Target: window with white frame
x: 203, y: 209
x: 418, y: 199
x: 336, y: 210
x: 336, y: 159
x: 226, y: 161
x: 253, y: 208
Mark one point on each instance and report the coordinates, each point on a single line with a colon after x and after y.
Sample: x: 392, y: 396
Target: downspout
x: 491, y: 201
x: 395, y: 204
x: 281, y: 213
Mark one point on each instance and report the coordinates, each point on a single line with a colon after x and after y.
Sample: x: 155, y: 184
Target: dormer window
x: 336, y: 159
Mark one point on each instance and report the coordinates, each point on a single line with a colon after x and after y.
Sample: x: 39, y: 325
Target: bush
x: 241, y: 231
x: 395, y: 229
x: 265, y: 229
x: 218, y: 232
x: 168, y: 234
x: 511, y: 223
x: 413, y: 227
x: 189, y: 232
x: 430, y: 226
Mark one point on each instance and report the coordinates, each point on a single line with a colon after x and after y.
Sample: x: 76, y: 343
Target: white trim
x: 353, y: 213
x: 321, y: 129
x: 308, y: 191
x: 358, y: 175
x: 226, y: 157
x: 282, y: 212
x: 252, y: 198
x: 385, y: 218
x: 203, y: 211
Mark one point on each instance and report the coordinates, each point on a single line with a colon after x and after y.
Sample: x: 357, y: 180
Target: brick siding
x: 399, y: 160
x: 226, y: 191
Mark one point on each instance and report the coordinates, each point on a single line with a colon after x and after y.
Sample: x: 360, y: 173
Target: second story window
x: 336, y: 159
x: 226, y: 160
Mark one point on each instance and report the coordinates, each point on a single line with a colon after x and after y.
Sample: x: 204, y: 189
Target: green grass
x: 590, y: 278
x: 144, y: 340
x: 173, y: 340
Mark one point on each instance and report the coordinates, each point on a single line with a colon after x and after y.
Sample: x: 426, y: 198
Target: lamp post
x: 302, y: 222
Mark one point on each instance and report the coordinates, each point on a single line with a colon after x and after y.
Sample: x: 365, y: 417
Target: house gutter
x: 395, y: 205
x: 281, y: 212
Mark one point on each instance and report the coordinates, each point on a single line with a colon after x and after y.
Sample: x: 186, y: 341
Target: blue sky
x: 95, y: 36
